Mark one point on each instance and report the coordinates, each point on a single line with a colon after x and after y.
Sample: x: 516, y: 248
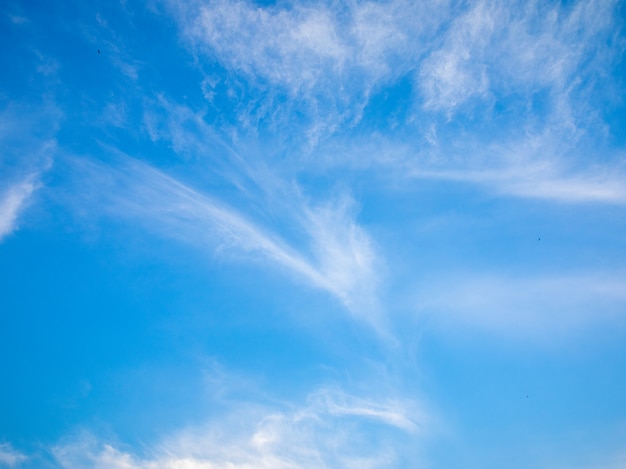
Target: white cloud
x: 542, y: 167
x: 333, y: 429
x: 326, y: 49
x: 454, y: 73
x: 500, y: 47
x: 26, y: 152
x: 586, y: 187
x: 325, y: 58
x: 465, y: 55
x: 333, y: 57
x: 391, y: 412
x: 12, y: 201
x: 537, y: 180
x: 321, y: 242
x: 291, y: 47
x: 526, y: 306
x: 298, y: 46
x: 345, y: 256
x: 335, y: 254
x: 9, y: 457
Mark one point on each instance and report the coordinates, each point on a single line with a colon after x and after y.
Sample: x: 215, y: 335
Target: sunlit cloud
x: 27, y: 149
x: 498, y: 49
x: 12, y: 202
x: 332, y: 429
x: 386, y: 166
x: 336, y: 255
x: 540, y: 182
x: 544, y: 307
x: 464, y: 60
x: 321, y: 60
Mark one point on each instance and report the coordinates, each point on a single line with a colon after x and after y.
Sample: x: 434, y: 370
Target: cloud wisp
x: 316, y: 64
x: 337, y: 255
x: 332, y: 429
x: 497, y: 48
x: 527, y: 306
x: 9, y: 457
x: 483, y: 49
x: 27, y: 148
x: 543, y: 65
x: 303, y: 48
x: 12, y: 202
x: 536, y: 180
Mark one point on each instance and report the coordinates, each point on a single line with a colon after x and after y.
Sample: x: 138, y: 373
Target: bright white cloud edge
x: 339, y: 256
x: 12, y: 202
x: 332, y: 429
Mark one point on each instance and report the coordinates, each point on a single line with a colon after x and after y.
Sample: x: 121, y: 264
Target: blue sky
x: 312, y: 234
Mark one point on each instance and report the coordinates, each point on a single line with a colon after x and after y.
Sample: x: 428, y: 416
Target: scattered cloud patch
x: 10, y: 457
x: 27, y: 148
x: 454, y: 73
x: 12, y: 202
x: 299, y: 46
x: 290, y: 133
x: 539, y: 181
x: 496, y: 48
x: 319, y: 60
x: 532, y: 306
x: 336, y: 254
x: 333, y: 429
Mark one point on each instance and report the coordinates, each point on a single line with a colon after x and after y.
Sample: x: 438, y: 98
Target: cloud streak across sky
x: 327, y: 431
x: 359, y: 184
x: 546, y: 61
x: 338, y: 256
x: 11, y: 203
x: 10, y: 457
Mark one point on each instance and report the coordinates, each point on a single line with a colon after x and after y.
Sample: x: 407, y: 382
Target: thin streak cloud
x: 539, y: 182
x: 10, y: 457
x: 545, y: 307
x: 12, y: 202
x: 339, y: 256
x: 328, y: 431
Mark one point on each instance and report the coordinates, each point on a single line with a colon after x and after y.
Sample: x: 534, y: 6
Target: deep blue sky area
x: 378, y: 234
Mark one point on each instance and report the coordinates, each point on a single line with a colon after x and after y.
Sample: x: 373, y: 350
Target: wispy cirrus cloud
x: 334, y: 253
x: 534, y: 306
x: 544, y: 64
x: 535, y: 167
x: 395, y: 413
x: 26, y: 152
x: 318, y: 62
x: 302, y: 46
x: 10, y: 457
x: 539, y: 180
x: 489, y: 48
x: 12, y: 202
x: 332, y: 429
x: 496, y: 48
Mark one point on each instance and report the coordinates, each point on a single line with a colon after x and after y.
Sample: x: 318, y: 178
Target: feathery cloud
x: 12, y: 202
x: 336, y: 254
x: 333, y: 429
x: 527, y: 306
x: 9, y: 457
